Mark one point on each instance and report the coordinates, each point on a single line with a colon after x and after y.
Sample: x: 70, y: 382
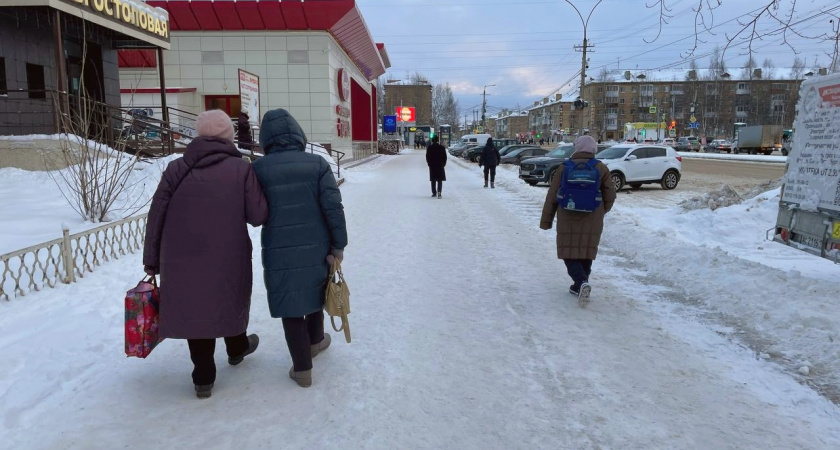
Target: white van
x: 479, y: 139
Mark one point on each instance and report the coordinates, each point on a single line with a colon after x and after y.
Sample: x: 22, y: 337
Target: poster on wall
x: 249, y: 95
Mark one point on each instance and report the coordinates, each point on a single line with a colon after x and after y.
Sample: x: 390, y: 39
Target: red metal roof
x: 137, y: 58
x: 341, y: 18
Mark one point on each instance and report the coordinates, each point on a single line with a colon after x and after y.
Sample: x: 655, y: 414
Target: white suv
x: 638, y: 164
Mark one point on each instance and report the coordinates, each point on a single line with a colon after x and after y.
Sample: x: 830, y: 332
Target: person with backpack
x: 436, y: 160
x: 580, y: 195
x: 490, y: 158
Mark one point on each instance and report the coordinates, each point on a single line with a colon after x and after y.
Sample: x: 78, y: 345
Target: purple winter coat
x: 197, y: 239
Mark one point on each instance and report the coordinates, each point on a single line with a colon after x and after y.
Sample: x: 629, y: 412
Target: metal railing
x: 73, y: 255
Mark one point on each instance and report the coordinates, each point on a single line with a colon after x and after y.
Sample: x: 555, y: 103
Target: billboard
x: 389, y: 124
x: 249, y: 95
x: 405, y: 113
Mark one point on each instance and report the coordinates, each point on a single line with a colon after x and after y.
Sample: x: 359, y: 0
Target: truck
x: 758, y: 139
x: 809, y: 205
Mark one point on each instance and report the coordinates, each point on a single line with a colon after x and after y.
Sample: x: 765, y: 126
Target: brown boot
x: 302, y: 378
x: 321, y: 346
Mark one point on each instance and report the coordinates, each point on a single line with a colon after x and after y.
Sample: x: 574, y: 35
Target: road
x: 704, y: 175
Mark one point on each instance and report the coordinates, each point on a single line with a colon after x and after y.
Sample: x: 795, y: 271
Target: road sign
x: 672, y: 132
x: 693, y: 119
x: 652, y: 110
x: 695, y: 125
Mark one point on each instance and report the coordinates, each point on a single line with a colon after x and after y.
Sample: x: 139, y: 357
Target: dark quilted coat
x: 197, y: 237
x: 306, y: 218
x: 578, y: 233
x: 490, y: 156
x: 436, y: 160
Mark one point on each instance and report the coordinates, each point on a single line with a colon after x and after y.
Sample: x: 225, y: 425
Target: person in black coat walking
x: 243, y: 131
x: 490, y: 158
x: 436, y: 159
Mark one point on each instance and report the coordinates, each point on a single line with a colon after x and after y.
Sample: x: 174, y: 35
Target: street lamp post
x: 484, y: 105
x: 583, y: 48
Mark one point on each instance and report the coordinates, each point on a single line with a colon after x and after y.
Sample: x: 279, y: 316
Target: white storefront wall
x: 297, y: 70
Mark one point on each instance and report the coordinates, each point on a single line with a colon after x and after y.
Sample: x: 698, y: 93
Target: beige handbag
x: 337, y: 301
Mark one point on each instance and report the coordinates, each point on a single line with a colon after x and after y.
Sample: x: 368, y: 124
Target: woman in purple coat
x: 197, y: 240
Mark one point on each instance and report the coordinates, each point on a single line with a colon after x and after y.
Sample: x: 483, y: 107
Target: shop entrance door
x: 231, y: 104
x: 85, y: 80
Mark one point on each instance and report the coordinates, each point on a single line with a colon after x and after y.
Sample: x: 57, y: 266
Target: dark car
x: 458, y: 151
x: 474, y: 154
x: 518, y: 155
x: 687, y: 144
x: 542, y: 169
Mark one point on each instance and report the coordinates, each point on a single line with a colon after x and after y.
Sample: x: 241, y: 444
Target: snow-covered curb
x: 738, y: 157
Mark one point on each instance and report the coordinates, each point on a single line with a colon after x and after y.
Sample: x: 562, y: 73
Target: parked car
x: 719, y: 145
x: 642, y: 164
x: 516, y: 156
x: 474, y: 154
x: 543, y: 169
x: 670, y: 142
x: 687, y: 144
x: 458, y: 151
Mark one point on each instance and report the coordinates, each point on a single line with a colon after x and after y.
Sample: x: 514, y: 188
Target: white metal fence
x: 73, y: 255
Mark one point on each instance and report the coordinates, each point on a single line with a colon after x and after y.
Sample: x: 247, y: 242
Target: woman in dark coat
x: 197, y: 240
x: 243, y: 131
x: 305, y: 230
x: 436, y: 160
x: 490, y: 158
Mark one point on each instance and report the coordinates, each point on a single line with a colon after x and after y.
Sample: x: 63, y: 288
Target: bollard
x: 67, y: 256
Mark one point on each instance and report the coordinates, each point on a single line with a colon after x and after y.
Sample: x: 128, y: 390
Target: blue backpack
x: 580, y: 186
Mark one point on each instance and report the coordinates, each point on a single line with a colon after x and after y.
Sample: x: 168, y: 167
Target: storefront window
x: 231, y: 104
x: 35, y: 81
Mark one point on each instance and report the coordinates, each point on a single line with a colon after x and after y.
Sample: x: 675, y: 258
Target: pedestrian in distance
x: 490, y: 158
x: 305, y: 232
x: 579, y: 232
x: 243, y: 131
x: 436, y: 160
x: 197, y: 240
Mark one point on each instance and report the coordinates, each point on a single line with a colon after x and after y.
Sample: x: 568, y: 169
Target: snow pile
x: 725, y: 196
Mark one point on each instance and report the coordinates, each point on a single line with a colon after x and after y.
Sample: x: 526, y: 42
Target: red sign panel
x: 831, y: 95
x: 405, y: 113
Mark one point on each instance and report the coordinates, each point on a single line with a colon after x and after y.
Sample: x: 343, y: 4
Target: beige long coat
x: 578, y: 233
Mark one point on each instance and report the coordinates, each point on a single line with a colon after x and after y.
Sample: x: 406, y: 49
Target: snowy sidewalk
x: 463, y: 337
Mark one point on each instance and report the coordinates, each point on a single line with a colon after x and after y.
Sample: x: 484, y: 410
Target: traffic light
x: 538, y: 135
x: 642, y: 132
x: 673, y: 125
x: 431, y: 134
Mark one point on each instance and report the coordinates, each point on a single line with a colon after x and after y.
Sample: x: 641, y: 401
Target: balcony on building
x: 742, y: 89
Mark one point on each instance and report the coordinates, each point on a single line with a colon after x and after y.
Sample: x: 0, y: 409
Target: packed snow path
x: 464, y: 336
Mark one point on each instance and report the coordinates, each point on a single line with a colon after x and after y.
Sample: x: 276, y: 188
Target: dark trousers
x: 301, y: 332
x: 202, y: 351
x: 579, y: 270
x: 439, y: 187
x: 492, y: 171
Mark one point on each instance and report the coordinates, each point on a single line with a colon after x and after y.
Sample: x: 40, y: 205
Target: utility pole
x: 583, y: 49
x: 484, y: 106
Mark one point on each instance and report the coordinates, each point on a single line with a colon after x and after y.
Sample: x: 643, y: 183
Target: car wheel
x: 551, y: 176
x: 475, y: 159
x: 635, y: 185
x: 670, y: 179
x: 617, y: 180
x: 532, y: 183
x: 784, y: 152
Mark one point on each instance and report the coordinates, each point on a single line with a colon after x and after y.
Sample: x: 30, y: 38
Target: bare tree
x: 97, y: 181
x: 797, y: 70
x: 418, y: 78
x: 769, y: 69
x: 747, y: 68
x: 717, y: 66
x: 769, y: 18
x: 444, y: 105
x: 380, y: 96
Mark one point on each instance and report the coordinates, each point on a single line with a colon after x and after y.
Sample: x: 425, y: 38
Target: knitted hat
x: 586, y: 144
x: 214, y: 123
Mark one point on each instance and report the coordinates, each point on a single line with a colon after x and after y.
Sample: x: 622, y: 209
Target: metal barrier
x: 71, y: 256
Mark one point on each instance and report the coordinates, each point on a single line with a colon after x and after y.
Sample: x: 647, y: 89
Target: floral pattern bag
x: 141, y: 318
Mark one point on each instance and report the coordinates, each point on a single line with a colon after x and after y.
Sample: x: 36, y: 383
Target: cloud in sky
x: 526, y: 47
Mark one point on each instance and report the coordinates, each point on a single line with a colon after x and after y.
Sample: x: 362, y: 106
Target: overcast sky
x: 525, y: 47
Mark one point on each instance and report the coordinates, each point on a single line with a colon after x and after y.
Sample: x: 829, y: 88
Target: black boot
x: 253, y: 343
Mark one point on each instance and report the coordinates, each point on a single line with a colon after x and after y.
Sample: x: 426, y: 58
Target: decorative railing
x: 73, y: 255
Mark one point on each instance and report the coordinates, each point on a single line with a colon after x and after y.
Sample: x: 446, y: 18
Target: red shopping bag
x: 141, y: 318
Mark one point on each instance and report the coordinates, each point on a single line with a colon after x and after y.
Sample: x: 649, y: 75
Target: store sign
x: 249, y: 95
x: 343, y: 79
x: 405, y: 113
x: 134, y: 13
x: 342, y: 111
x: 389, y: 124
